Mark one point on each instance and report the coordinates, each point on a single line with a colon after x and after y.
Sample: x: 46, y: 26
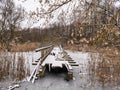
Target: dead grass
x: 25, y: 47
x: 71, y: 47
x: 106, y: 68
x: 20, y: 68
x: 94, y: 49
x: 12, y: 66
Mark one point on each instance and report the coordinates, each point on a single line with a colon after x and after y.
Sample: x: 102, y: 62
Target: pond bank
x: 89, y: 75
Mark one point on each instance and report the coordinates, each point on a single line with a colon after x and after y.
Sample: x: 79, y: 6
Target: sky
x: 117, y: 4
x: 29, y: 5
x: 33, y: 5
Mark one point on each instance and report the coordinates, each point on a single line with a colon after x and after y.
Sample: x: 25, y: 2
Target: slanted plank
x: 74, y: 64
x: 42, y: 48
x: 34, y: 63
x: 71, y: 61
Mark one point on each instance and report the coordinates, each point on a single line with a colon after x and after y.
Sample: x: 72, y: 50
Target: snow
x: 13, y: 87
x: 57, y: 64
x: 48, y: 60
x: 82, y: 81
x: 54, y: 58
x: 51, y: 59
x: 79, y: 56
x: 56, y: 50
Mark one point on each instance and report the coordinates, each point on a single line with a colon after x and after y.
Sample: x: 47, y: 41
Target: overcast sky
x: 33, y: 5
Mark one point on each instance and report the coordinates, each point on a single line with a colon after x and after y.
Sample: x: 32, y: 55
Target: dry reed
x: 106, y: 68
x: 25, y: 47
x: 12, y: 66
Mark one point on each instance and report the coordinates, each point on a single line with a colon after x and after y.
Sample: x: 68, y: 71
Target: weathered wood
x: 74, y: 64
x: 71, y: 61
x: 42, y: 71
x: 37, y: 60
x: 70, y: 75
x: 38, y: 63
x: 43, y: 58
x: 34, y: 63
x: 39, y: 70
x: 33, y: 75
x: 42, y: 48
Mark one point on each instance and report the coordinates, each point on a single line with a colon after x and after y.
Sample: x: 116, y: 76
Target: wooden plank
x: 34, y: 63
x: 71, y: 61
x: 34, y: 72
x: 70, y: 74
x: 74, y: 64
x: 42, y: 48
x: 42, y: 71
x: 69, y: 57
x: 36, y: 69
x: 36, y: 60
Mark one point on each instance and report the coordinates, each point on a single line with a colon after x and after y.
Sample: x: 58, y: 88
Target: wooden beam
x: 43, y: 48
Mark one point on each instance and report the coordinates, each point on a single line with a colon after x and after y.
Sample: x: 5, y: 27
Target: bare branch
x: 57, y: 6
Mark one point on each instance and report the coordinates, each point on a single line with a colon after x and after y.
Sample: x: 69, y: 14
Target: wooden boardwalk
x: 53, y: 57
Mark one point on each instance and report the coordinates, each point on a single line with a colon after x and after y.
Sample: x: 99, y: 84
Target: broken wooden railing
x: 45, y: 51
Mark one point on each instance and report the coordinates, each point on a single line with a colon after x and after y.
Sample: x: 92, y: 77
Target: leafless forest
x: 94, y: 26
x: 95, y: 23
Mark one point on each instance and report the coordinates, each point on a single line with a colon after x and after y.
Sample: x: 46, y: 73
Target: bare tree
x: 10, y: 18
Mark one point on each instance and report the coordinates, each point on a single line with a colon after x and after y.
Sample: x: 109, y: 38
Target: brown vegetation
x: 96, y: 24
x: 12, y: 66
x: 11, y: 16
x: 105, y: 67
x: 25, y: 47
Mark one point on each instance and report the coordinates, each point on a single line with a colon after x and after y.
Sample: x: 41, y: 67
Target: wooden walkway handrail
x: 46, y: 51
x: 42, y: 48
x: 36, y: 69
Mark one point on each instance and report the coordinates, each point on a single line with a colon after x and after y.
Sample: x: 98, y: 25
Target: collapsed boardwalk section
x: 56, y: 62
x: 52, y: 59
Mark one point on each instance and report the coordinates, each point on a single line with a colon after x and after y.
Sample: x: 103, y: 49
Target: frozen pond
x: 84, y: 75
x: 17, y: 65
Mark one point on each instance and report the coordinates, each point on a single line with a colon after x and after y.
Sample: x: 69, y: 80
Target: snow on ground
x: 31, y: 57
x: 55, y: 58
x: 56, y: 81
x: 52, y: 81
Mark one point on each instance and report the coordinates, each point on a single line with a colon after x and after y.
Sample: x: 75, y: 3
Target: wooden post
x: 41, y: 71
x: 49, y: 68
x: 70, y: 75
x: 38, y: 69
